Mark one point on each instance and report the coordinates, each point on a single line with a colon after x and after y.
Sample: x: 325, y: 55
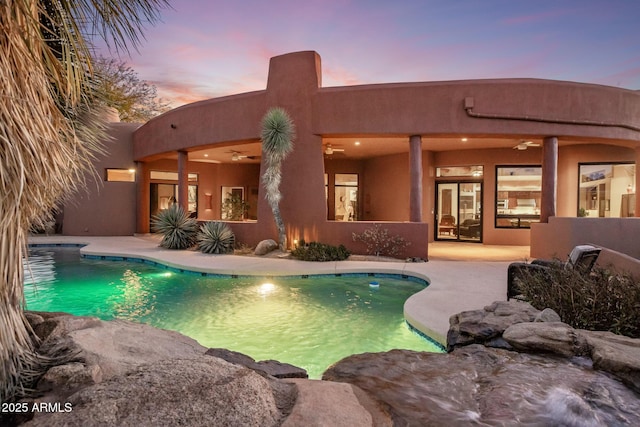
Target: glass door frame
x: 453, y: 231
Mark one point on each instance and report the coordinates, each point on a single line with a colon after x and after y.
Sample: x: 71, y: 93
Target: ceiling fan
x: 237, y: 155
x: 523, y: 145
x: 329, y: 149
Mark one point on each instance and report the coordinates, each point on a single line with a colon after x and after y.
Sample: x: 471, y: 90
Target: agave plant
x: 177, y: 229
x: 216, y: 237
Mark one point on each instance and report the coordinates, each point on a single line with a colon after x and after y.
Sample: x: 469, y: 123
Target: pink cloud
x: 338, y: 76
x: 208, y: 49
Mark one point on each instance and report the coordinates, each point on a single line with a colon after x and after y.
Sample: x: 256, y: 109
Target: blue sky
x: 206, y: 49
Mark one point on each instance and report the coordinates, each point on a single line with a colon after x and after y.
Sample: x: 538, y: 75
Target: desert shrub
x: 216, y: 237
x: 177, y: 229
x: 315, y: 251
x: 242, y: 249
x: 379, y: 242
x: 600, y: 301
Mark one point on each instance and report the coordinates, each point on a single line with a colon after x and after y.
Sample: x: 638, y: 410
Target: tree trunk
x: 17, y: 356
x: 282, y: 235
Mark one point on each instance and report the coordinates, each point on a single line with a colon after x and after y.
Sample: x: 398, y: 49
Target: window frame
x: 521, y: 220
x: 124, y: 171
x: 611, y: 163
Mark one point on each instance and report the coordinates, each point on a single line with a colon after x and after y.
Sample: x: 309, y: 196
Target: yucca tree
x: 277, y: 137
x: 48, y: 134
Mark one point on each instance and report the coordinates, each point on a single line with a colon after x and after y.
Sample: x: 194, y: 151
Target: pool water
x: 308, y: 322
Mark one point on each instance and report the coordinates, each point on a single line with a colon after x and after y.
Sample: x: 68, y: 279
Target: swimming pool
x: 309, y: 322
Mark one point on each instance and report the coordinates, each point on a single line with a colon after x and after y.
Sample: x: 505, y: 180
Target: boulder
x: 265, y: 246
x: 616, y: 354
x: 547, y: 337
x: 281, y: 370
x: 186, y: 392
x: 488, y: 324
x: 547, y: 315
x: 326, y: 403
x: 477, y: 385
x: 67, y: 378
x: 231, y: 356
x: 124, y: 373
x: 264, y: 367
x: 119, y: 346
x: 89, y: 350
x: 53, y: 327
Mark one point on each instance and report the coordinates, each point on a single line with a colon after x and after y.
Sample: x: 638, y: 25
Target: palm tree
x: 277, y: 136
x: 49, y: 131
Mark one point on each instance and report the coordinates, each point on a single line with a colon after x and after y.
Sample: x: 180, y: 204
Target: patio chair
x: 447, y: 224
x: 582, y: 259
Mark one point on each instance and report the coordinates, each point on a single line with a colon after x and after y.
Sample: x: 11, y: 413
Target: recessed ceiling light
x: 206, y: 155
x: 357, y: 143
x: 464, y: 140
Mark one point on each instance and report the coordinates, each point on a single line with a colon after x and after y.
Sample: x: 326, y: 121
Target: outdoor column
x: 143, y: 209
x: 415, y: 173
x: 183, y: 180
x: 549, y: 178
x: 637, y: 184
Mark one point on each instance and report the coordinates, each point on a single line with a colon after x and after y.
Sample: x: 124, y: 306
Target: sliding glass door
x: 459, y: 211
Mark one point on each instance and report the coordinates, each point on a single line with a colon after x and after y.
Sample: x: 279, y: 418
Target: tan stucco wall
x: 219, y: 120
x: 387, y: 191
x: 428, y: 109
x: 619, y: 262
x: 106, y: 208
x: 436, y: 108
x: 568, y: 159
x: 560, y: 235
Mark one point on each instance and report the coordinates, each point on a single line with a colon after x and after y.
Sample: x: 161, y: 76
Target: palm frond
x: 49, y: 130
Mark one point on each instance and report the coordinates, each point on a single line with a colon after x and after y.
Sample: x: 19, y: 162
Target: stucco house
x: 504, y: 161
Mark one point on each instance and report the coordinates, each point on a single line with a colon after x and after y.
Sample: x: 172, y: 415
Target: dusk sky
x: 206, y: 49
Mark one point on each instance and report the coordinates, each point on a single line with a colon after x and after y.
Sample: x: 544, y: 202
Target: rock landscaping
x: 507, y: 364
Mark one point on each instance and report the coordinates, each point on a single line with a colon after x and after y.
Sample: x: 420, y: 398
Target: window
x: 518, y: 194
x: 606, y: 190
x: 120, y: 175
x: 346, y: 196
x: 171, y: 176
x: 455, y: 171
x: 234, y: 207
x: 164, y: 191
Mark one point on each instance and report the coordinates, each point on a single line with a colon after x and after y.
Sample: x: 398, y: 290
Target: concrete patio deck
x: 462, y: 276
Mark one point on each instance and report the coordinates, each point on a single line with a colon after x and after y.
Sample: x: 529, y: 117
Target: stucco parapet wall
x: 438, y: 108
x: 483, y: 108
x: 561, y: 234
x: 219, y: 120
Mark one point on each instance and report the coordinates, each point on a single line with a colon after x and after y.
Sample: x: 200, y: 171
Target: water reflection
x: 39, y: 268
x: 283, y: 319
x: 134, y: 296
